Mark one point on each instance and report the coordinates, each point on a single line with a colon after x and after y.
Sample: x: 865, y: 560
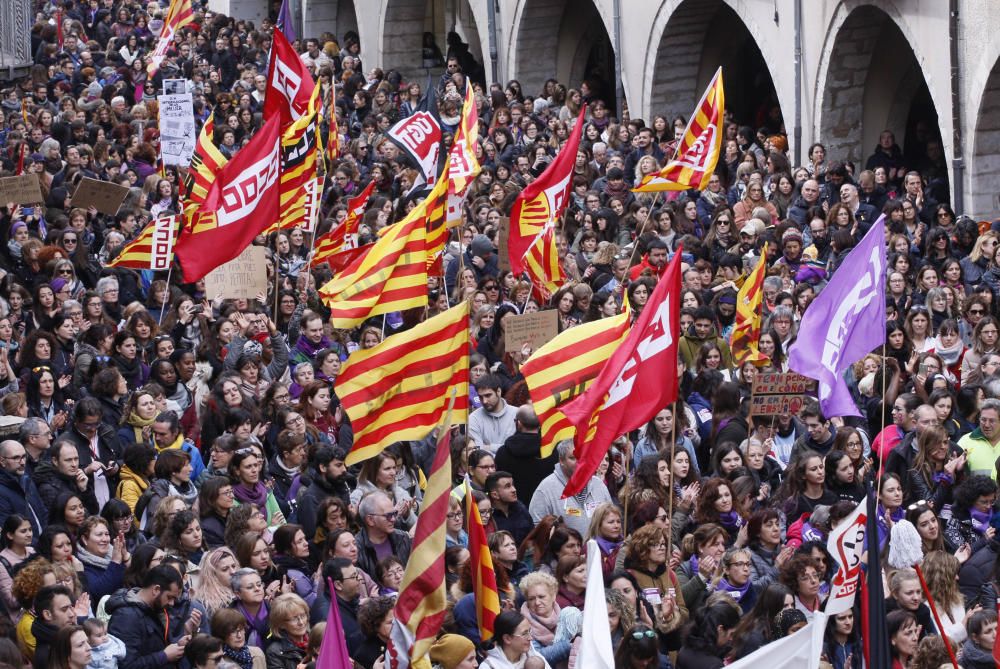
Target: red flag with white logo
x: 637, y: 382
x: 289, y: 84
x: 242, y: 203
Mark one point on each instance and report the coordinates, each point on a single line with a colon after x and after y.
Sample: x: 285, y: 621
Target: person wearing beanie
x: 453, y: 651
x: 481, y: 257
x: 791, y: 250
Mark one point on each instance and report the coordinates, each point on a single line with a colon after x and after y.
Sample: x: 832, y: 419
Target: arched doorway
x: 407, y: 22
x: 335, y: 16
x: 566, y: 40
x: 861, y: 95
x: 700, y: 36
x: 984, y: 168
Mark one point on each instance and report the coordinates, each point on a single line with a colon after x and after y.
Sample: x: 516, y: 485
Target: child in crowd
x: 105, y: 648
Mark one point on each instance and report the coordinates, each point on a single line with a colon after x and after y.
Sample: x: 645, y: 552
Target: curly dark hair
x: 372, y: 612
x: 974, y: 487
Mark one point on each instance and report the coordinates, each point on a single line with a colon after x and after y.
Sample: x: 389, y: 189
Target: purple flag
x: 333, y: 652
x: 286, y: 24
x: 844, y: 323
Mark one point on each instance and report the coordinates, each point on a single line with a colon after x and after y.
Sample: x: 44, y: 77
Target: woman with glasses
x: 721, y: 236
x: 648, y: 562
x: 289, y: 625
x: 984, y: 341
x: 803, y: 576
x: 978, y: 260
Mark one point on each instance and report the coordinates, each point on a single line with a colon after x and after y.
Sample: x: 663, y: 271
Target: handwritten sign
x: 20, y: 190
x: 779, y: 394
x: 177, y: 129
x: 242, y: 277
x: 536, y: 329
x: 103, y: 196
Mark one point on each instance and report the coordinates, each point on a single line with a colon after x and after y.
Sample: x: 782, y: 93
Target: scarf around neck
x: 607, y: 546
x: 97, y: 561
x: 737, y: 593
x: 257, y: 495
x: 980, y: 520
x: 241, y: 657
x: 543, y: 630
x: 949, y: 356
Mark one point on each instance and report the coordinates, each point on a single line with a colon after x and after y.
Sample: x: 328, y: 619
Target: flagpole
x: 638, y: 234
x: 166, y: 295
x: 670, y: 493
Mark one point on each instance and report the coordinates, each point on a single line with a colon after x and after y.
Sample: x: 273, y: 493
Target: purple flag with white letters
x: 844, y: 323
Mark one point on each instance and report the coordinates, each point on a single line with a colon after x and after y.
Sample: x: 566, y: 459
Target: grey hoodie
x: 576, y: 511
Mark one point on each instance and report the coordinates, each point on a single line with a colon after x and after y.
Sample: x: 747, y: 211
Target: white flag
x: 846, y: 544
x: 801, y: 650
x: 596, y: 651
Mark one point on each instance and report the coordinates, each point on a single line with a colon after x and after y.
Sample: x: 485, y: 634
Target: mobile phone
x: 198, y: 309
x: 652, y: 595
x: 28, y: 211
x: 922, y: 369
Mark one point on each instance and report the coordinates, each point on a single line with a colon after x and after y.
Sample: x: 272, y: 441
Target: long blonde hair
x: 940, y: 571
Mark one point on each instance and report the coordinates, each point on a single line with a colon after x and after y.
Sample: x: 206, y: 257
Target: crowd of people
x: 173, y: 488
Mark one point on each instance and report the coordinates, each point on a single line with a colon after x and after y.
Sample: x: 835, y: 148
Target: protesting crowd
x: 176, y: 480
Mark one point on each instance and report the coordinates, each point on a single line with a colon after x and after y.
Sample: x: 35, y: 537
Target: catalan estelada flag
x: 392, y: 276
x: 344, y: 236
x: 566, y: 366
x: 423, y: 603
x: 397, y: 391
x: 178, y: 15
x: 206, y: 163
x: 699, y: 149
x: 537, y: 209
x: 153, y: 248
x: 332, y: 148
x: 746, y: 330
x: 484, y: 578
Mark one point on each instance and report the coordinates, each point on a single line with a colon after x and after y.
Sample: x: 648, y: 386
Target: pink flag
x: 333, y: 651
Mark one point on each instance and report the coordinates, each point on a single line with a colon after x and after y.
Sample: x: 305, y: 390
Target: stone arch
x: 870, y: 80
x: 984, y: 168
x: 697, y: 37
x: 404, y: 23
x: 568, y: 40
x: 336, y: 16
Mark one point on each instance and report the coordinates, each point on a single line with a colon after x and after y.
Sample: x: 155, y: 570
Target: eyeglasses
x: 491, y: 287
x: 67, y: 270
x: 741, y: 563
x: 391, y: 516
x: 67, y: 240
x: 15, y: 458
x: 454, y: 515
x: 976, y: 312
x: 648, y: 634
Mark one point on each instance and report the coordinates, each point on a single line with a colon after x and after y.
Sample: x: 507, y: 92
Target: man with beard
x: 820, y: 249
x: 329, y: 479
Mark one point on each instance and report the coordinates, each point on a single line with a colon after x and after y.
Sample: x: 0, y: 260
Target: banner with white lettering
x: 846, y: 544
x: 178, y: 133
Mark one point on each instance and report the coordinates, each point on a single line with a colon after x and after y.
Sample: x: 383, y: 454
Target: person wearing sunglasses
x: 378, y: 535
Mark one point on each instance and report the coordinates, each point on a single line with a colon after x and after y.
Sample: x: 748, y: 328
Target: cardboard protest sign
x: 103, y: 196
x: 536, y: 329
x: 24, y: 189
x: 779, y: 394
x: 242, y: 277
x: 503, y: 234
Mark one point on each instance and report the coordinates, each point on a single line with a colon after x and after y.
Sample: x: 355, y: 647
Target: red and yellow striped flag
x: 332, y: 149
x: 699, y: 149
x: 423, y: 602
x: 178, y: 15
x: 206, y: 163
x: 565, y: 367
x: 463, y: 166
x: 153, y: 248
x: 541, y: 262
x: 391, y: 277
x: 484, y: 578
x: 397, y: 391
x: 344, y: 236
x: 299, y: 156
x: 746, y: 330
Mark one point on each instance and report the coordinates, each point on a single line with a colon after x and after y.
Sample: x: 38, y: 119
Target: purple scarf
x: 980, y: 520
x: 607, y: 547
x: 308, y: 348
x: 943, y: 477
x: 736, y: 593
x: 731, y: 521
x: 256, y: 495
x: 258, y: 625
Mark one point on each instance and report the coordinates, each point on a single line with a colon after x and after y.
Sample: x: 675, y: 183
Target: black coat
x: 142, y: 631
x: 309, y: 499
x: 20, y: 495
x: 51, y: 483
x: 283, y: 654
x: 520, y: 456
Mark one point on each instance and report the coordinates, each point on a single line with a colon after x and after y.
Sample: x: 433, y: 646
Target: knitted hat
x: 791, y: 235
x: 481, y: 245
x: 57, y: 284
x: 450, y: 650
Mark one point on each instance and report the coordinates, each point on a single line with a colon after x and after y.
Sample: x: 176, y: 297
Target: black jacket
x: 520, y: 456
x: 368, y: 559
x: 51, y: 483
x: 20, y: 495
x: 213, y: 529
x: 283, y: 654
x: 45, y: 634
x: 309, y: 499
x: 141, y: 629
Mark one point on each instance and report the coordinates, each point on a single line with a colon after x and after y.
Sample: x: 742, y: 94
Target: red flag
x: 647, y: 360
x: 241, y: 203
x: 543, y: 200
x: 484, y: 578
x: 289, y: 84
